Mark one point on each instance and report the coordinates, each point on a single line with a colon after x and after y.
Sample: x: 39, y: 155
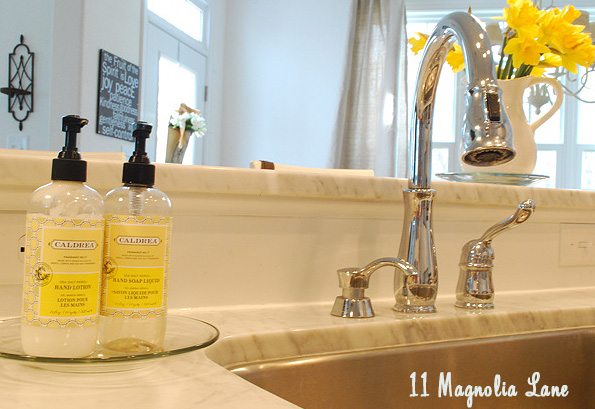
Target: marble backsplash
x: 259, y: 237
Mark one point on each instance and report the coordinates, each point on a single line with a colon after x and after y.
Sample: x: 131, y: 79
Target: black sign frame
x: 118, y: 96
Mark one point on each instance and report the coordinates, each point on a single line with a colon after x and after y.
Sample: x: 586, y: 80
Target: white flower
x: 198, y: 124
x: 189, y: 121
x: 173, y: 119
x: 183, y: 120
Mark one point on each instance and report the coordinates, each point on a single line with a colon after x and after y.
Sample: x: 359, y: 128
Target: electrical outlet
x: 577, y: 244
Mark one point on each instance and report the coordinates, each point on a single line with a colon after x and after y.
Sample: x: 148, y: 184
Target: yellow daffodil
x: 556, y: 25
x: 566, y: 40
x: 537, y: 71
x: 522, y: 16
x: 455, y: 58
x: 525, y: 50
x: 535, y: 40
x: 577, y: 49
x: 550, y: 60
x: 566, y: 15
x: 418, y: 42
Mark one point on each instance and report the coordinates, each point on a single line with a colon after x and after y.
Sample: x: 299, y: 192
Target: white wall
x: 66, y: 36
x: 64, y: 68
x: 215, y: 69
x: 115, y: 26
x: 282, y: 77
x: 34, y: 20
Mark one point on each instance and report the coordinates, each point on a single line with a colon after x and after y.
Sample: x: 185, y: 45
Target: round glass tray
x: 183, y: 334
x: 516, y: 179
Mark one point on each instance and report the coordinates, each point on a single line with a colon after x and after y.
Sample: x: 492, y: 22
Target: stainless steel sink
x: 382, y: 378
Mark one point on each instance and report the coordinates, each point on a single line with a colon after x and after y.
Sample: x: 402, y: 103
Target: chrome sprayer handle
x: 475, y: 289
x: 353, y: 303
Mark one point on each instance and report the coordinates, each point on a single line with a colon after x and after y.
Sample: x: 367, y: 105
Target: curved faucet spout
x: 487, y: 138
x: 487, y: 141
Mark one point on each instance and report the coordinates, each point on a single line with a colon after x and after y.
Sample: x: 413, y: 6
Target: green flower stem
x: 508, y: 68
x: 501, y: 62
x: 524, y: 70
x: 520, y: 72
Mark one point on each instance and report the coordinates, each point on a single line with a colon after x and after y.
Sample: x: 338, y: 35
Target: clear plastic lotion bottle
x: 63, y: 251
x: 136, y: 257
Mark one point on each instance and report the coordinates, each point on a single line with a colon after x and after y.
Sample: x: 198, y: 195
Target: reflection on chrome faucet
x: 487, y: 141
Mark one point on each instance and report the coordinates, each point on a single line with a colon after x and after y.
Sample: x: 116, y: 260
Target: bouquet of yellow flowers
x: 534, y: 40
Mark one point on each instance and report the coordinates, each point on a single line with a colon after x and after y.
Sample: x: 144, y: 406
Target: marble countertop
x: 21, y: 173
x: 194, y: 380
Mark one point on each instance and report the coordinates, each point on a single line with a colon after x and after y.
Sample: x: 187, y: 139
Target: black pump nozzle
x: 68, y: 165
x: 138, y: 170
x: 71, y: 124
x: 142, y: 131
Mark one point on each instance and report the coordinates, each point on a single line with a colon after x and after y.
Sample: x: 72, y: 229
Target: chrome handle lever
x: 475, y: 289
x: 523, y: 212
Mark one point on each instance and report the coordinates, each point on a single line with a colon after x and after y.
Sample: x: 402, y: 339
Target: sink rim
x: 586, y: 329
x: 390, y: 329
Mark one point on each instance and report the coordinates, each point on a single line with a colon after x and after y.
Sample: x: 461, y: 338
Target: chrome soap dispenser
x: 136, y: 257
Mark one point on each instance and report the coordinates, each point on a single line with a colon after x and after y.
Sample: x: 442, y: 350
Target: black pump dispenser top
x: 68, y: 165
x: 138, y: 170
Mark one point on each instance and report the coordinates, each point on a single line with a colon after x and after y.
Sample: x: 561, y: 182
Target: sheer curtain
x: 371, y: 129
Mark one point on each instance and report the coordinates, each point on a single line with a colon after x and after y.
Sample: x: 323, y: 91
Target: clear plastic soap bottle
x: 136, y: 257
x: 63, y: 251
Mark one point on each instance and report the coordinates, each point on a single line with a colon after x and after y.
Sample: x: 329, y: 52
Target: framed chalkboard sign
x: 117, y: 96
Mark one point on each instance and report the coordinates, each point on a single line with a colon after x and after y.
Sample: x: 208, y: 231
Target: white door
x: 174, y: 73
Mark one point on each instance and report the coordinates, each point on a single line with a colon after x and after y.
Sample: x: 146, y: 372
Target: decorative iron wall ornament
x: 20, y: 82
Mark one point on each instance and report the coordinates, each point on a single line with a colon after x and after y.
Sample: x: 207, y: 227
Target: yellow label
x: 62, y: 270
x: 70, y: 295
x: 136, y: 263
x: 136, y: 288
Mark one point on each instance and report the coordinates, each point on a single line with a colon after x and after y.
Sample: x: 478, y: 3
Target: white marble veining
x: 193, y: 380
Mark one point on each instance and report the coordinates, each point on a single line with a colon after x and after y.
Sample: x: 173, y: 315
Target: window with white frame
x: 566, y: 146
x: 187, y: 16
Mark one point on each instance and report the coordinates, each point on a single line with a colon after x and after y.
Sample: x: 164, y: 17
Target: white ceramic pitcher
x: 523, y: 132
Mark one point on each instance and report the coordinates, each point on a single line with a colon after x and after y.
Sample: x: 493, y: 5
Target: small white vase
x: 177, y: 142
x: 523, y: 133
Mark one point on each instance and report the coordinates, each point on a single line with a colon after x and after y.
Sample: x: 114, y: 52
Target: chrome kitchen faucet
x: 487, y: 141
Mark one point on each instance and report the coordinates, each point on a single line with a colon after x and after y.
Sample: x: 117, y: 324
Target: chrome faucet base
x: 352, y: 307
x: 417, y: 293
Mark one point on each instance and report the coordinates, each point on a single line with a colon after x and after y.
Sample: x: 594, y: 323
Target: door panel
x: 174, y: 73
